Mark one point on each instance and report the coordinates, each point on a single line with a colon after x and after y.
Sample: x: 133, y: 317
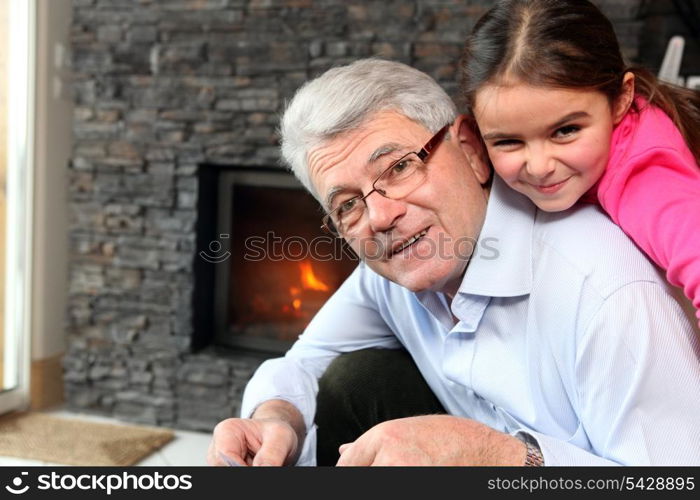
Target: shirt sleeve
x: 655, y: 199
x: 637, y: 385
x: 349, y: 321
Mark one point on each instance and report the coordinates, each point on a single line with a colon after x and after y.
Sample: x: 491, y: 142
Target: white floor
x: 187, y: 448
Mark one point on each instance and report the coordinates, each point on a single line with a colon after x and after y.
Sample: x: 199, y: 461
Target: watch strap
x: 533, y: 453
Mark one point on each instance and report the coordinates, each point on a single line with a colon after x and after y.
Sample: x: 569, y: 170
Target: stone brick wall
x: 161, y: 86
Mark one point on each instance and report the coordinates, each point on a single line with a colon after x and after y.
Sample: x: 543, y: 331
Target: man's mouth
x: 410, y: 241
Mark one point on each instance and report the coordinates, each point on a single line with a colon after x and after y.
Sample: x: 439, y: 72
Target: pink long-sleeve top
x: 651, y: 189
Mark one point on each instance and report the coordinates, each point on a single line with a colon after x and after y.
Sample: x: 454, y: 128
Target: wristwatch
x: 533, y: 454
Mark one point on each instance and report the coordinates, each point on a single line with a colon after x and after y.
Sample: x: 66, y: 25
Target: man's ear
x: 467, y: 133
x: 624, y: 100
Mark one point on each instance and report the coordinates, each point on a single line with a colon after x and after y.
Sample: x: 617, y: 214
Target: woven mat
x: 68, y: 441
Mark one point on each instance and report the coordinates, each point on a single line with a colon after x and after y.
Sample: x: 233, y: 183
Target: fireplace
x: 264, y: 267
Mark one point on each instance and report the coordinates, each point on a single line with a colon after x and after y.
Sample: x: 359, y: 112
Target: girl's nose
x: 539, y: 165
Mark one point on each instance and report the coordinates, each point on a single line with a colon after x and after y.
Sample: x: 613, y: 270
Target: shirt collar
x: 502, y: 262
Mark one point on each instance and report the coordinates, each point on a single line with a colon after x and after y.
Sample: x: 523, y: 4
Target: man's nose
x: 383, y: 213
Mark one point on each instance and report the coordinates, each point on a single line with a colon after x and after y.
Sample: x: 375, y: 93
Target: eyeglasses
x: 396, y: 181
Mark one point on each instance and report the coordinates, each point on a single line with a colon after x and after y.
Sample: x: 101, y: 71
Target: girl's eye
x: 566, y: 131
x: 506, y: 143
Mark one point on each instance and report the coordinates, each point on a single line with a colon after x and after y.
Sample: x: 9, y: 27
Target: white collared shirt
x: 564, y: 331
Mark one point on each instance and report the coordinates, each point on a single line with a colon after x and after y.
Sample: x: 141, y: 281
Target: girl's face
x: 550, y: 144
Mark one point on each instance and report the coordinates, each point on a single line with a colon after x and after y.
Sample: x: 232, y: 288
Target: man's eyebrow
x: 383, y: 150
x: 571, y: 116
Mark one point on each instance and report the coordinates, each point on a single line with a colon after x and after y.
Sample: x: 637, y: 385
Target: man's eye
x: 402, y: 169
x: 566, y: 131
x: 346, y: 206
x: 400, y: 166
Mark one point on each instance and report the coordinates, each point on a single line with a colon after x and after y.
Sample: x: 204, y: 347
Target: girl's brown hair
x: 565, y: 44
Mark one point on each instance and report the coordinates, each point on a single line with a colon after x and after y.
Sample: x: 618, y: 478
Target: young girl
x: 564, y: 119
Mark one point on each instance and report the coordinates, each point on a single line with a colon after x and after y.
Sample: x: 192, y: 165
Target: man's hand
x: 433, y: 440
x: 272, y: 437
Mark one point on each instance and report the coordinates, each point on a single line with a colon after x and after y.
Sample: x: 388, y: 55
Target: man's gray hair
x: 342, y: 99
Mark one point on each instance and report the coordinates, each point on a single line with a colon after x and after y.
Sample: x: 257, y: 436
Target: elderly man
x: 544, y: 337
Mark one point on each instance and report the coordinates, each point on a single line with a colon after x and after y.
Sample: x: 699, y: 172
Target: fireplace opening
x: 263, y: 267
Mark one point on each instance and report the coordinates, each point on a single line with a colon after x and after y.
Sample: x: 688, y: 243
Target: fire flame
x: 309, y: 279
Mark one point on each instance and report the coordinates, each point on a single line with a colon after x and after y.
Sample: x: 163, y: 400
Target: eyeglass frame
x: 422, y: 154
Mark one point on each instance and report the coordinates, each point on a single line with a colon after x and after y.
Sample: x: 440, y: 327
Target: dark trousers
x: 364, y: 388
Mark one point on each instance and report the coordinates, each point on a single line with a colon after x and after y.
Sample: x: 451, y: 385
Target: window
x: 16, y: 123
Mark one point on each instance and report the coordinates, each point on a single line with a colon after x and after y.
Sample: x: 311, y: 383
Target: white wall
x: 53, y: 135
